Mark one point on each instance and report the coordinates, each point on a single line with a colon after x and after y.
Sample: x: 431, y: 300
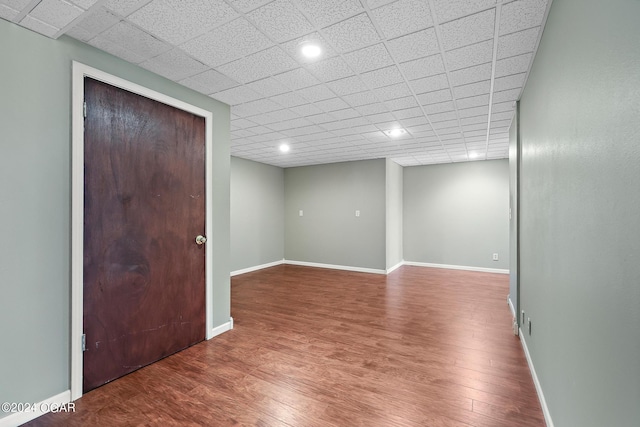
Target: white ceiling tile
x: 326, y: 12
x: 468, y: 30
x: 360, y: 98
x: 49, y: 31
x: 374, y: 108
x: 242, y: 124
x: 17, y: 5
x: 231, y: 41
x: 209, y: 82
x: 398, y: 90
x: 442, y: 117
x: 321, y: 118
x: 474, y: 101
x: 509, y: 82
x: 522, y: 14
x: 347, y: 85
x: 316, y: 93
x: 507, y: 95
x: 236, y: 95
x: 76, y: 32
x: 306, y: 110
x: 289, y: 99
x: 259, y: 65
x: 403, y: 17
x: 332, y: 104
x: 473, y: 89
x: 413, y: 46
x: 517, y: 43
x: 8, y: 13
x: 124, y: 7
x: 352, y: 33
x: 381, y: 118
x: 290, y: 124
x: 283, y: 115
x: 439, y: 107
x: 56, y: 13
x: 430, y: 84
x: 281, y: 20
x: 312, y: 129
x: 414, y: 121
x: 477, y: 126
x: 345, y: 113
x: 174, y: 65
x: 134, y: 40
x: 447, y: 10
x: 401, y: 103
x: 471, y: 75
x: 98, y: 21
x: 513, y: 65
x: 472, y: 112
x: 423, y: 67
x: 85, y: 4
x: 114, y: 49
x: 382, y: 77
x: 408, y: 113
x: 330, y: 69
x: 469, y: 56
x: 293, y: 48
x: 261, y: 106
x: 507, y: 115
x: 296, y: 79
x: 369, y: 58
x: 262, y: 119
x: 435, y: 97
x: 469, y: 120
x: 503, y: 106
x: 179, y: 22
x: 268, y: 87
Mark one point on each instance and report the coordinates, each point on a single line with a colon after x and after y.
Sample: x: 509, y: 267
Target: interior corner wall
x: 329, y: 232
x: 257, y: 214
x: 35, y: 204
x: 513, y: 216
x: 580, y: 201
x: 394, y: 254
x: 457, y: 214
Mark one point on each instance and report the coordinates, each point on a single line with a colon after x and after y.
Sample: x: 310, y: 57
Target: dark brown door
x: 144, y: 274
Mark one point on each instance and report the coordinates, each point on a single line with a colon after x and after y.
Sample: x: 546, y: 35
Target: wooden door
x: 144, y: 205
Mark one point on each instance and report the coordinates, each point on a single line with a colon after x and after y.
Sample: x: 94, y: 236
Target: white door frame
x: 80, y: 71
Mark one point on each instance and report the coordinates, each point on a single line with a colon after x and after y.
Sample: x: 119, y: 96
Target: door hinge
x: 84, y: 109
x: 84, y: 342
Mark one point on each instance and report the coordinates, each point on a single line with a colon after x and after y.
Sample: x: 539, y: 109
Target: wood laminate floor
x: 317, y: 347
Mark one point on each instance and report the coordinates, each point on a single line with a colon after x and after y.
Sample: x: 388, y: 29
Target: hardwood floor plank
x: 316, y: 347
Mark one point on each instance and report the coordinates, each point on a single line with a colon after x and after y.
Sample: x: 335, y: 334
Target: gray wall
x: 457, y: 214
x: 329, y: 232
x: 257, y: 213
x: 35, y: 204
x: 394, y: 213
x: 580, y: 204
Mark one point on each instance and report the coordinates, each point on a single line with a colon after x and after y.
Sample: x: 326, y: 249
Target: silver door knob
x: 201, y: 240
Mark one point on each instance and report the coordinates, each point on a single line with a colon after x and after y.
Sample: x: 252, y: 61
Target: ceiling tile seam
x: 25, y: 11
x: 496, y: 38
x: 475, y: 12
x: 342, y: 56
x: 79, y: 18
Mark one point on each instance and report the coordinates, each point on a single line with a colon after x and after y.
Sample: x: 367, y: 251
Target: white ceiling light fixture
x: 395, y: 133
x: 284, y: 148
x: 473, y: 155
x: 310, y: 50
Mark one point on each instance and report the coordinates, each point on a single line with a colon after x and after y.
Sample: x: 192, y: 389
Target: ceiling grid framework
x: 448, y: 72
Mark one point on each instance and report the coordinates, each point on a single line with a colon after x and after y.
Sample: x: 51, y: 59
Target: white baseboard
x: 395, y: 267
x: 221, y: 329
x: 458, y: 267
x: 256, y: 267
x: 58, y: 402
x: 536, y: 382
x: 336, y: 267
x: 513, y: 310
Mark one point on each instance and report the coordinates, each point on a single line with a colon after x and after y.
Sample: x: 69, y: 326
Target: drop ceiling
x: 446, y: 71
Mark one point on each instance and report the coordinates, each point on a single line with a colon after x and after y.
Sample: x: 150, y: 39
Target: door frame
x: 79, y: 72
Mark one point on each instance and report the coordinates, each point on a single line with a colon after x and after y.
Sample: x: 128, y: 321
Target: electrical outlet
x: 495, y: 257
x: 300, y: 213
x: 357, y: 213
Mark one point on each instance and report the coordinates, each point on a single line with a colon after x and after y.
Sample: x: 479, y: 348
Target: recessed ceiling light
x: 310, y: 50
x: 394, y: 133
x: 284, y: 148
x: 473, y: 155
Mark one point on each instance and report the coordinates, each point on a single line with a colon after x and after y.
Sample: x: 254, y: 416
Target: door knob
x: 201, y: 240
